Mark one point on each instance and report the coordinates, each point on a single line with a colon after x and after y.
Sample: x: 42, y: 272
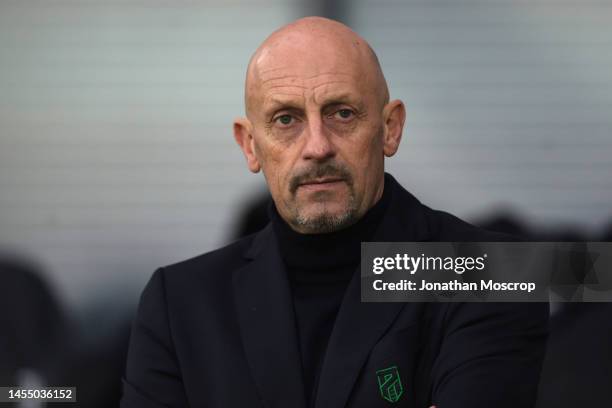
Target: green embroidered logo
x: 389, y: 383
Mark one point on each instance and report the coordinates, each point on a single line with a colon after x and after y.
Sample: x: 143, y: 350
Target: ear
x: 244, y: 137
x: 394, y: 115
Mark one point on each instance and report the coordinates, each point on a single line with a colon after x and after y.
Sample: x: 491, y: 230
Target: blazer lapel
x: 358, y: 325
x: 267, y: 324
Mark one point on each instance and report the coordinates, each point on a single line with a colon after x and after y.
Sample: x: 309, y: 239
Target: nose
x: 318, y: 145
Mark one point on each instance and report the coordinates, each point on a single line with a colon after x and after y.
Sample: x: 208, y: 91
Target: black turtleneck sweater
x: 319, y: 268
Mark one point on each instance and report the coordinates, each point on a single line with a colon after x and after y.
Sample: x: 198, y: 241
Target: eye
x: 284, y: 120
x: 345, y: 113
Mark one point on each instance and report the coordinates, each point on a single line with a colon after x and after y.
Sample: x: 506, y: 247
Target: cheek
x: 364, y: 150
x: 366, y: 160
x: 269, y: 155
x: 374, y: 148
x: 378, y: 135
x: 276, y: 166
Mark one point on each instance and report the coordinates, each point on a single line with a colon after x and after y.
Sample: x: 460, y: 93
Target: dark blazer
x: 218, y: 330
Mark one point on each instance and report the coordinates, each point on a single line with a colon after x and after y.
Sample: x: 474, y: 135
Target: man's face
x: 318, y: 132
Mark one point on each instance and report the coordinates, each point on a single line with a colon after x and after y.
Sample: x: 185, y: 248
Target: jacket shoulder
x: 220, y: 261
x: 436, y: 225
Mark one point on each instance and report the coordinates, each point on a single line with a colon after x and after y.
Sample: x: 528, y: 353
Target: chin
x: 325, y: 219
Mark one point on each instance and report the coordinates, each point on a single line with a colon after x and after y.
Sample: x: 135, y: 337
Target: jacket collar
x: 265, y: 313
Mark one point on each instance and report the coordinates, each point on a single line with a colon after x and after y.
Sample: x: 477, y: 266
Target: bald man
x: 275, y: 319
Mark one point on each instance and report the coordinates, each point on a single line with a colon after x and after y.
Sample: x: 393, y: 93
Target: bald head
x: 314, y: 46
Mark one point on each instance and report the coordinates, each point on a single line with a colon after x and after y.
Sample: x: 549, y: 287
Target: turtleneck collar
x: 329, y: 251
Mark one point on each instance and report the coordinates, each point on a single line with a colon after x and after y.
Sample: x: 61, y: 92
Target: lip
x: 321, y: 183
x: 328, y: 180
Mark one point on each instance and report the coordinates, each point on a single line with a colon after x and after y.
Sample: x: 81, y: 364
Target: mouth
x: 322, y: 183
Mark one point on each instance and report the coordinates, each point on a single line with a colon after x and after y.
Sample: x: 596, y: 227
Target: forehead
x: 280, y: 85
x: 300, y: 68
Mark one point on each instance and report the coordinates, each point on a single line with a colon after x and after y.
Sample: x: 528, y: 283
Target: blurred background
x: 117, y: 155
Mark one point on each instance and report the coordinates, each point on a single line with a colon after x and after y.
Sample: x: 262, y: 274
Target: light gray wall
x: 116, y: 153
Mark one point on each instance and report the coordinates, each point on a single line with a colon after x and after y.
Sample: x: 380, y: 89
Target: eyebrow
x: 342, y: 98
x: 293, y: 101
x: 274, y: 103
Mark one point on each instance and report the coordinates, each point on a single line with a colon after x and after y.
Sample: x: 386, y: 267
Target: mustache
x: 329, y: 169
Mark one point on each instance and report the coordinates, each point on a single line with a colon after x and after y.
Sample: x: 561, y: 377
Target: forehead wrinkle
x: 287, y: 91
x: 277, y: 95
x: 276, y: 99
x: 314, y: 88
x: 265, y: 71
x: 263, y: 81
x: 335, y: 97
x: 288, y: 76
x: 333, y: 93
x: 288, y: 87
x: 328, y: 73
